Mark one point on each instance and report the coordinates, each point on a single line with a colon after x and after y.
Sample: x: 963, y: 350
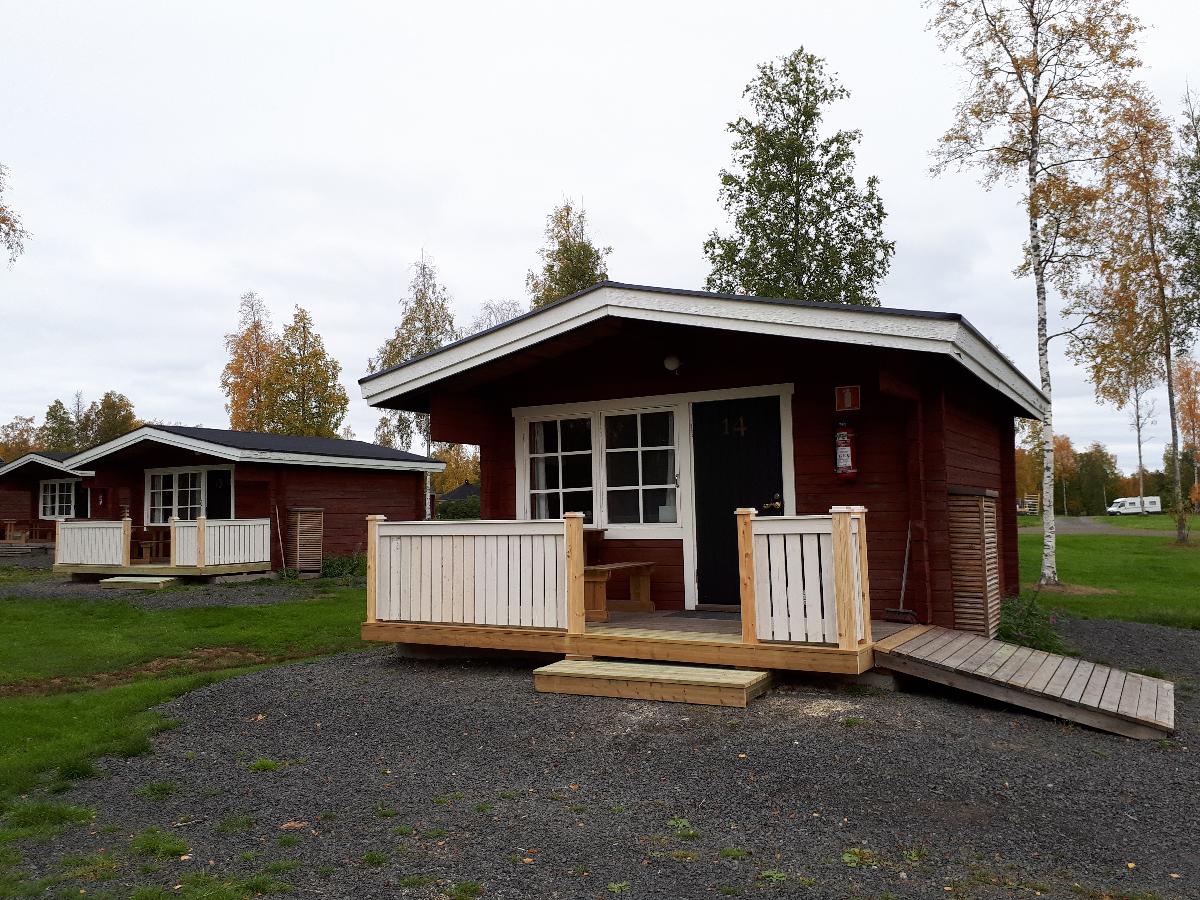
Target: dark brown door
x: 738, y: 463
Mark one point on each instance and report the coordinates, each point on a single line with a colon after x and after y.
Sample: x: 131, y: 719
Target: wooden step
x: 138, y: 582
x: 650, y: 681
x: 1099, y: 696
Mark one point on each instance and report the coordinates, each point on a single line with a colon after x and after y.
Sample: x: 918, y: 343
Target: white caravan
x: 1129, y: 506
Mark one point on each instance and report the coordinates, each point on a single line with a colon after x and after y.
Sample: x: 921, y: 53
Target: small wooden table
x: 595, y: 588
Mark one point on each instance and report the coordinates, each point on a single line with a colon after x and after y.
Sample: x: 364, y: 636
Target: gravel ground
x: 457, y: 771
x: 181, y: 596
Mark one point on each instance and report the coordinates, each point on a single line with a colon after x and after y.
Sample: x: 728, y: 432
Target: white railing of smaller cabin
x: 93, y: 543
x: 804, y: 578
x: 503, y: 573
x: 220, y: 542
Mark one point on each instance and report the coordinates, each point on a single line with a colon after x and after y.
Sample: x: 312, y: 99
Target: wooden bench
x: 595, y: 589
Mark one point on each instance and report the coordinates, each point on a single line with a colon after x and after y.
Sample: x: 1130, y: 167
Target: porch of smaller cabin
x: 195, y: 548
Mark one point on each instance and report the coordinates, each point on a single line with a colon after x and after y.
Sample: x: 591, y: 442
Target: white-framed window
x: 56, y: 499
x: 617, y: 467
x: 178, y: 492
x: 640, y: 478
x: 561, y: 468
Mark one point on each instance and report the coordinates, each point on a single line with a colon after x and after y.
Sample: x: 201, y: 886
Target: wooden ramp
x: 1092, y: 694
x: 650, y: 681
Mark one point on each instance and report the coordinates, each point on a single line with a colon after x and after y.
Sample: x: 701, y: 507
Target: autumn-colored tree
x: 570, y: 260
x: 59, y: 432
x: 426, y: 323
x: 802, y: 225
x: 1187, y: 387
x: 109, y: 417
x: 12, y: 233
x: 462, y: 466
x: 1037, y: 74
x: 1185, y: 220
x: 246, y: 379
x: 1135, y: 270
x: 18, y: 437
x: 1065, y: 465
x: 307, y: 397
x: 494, y: 313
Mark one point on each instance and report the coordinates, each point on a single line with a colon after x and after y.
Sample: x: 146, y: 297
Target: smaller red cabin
x: 221, y: 501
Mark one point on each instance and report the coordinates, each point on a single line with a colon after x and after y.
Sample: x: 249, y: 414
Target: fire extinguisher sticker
x: 843, y: 444
x: 844, y: 458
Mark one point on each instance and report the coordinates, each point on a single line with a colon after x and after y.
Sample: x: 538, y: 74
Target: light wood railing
x: 510, y: 573
x: 220, y: 542
x: 93, y: 543
x: 804, y: 579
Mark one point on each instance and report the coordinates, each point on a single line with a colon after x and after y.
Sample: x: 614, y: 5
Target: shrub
x: 459, y: 509
x: 352, y: 566
x: 1026, y: 622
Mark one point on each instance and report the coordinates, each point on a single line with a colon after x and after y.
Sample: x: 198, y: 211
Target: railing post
x: 126, y: 539
x: 373, y: 566
x: 745, y: 531
x: 201, y: 530
x: 864, y: 580
x: 576, y: 615
x: 843, y: 577
x: 57, y: 541
x: 171, y: 549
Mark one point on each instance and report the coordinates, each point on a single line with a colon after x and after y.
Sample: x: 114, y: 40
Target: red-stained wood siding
x: 18, y: 501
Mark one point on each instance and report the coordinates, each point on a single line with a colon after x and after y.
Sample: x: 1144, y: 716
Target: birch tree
x: 803, y: 227
x: 246, y: 379
x: 426, y: 323
x: 1036, y: 73
x: 571, y: 261
x: 1187, y: 386
x: 12, y: 233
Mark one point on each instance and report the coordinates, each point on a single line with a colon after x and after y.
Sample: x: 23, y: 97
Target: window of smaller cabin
x: 560, y: 468
x: 57, y: 499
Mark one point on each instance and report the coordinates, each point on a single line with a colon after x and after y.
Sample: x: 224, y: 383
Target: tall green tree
x: 802, y: 226
x: 426, y: 323
x: 109, y: 417
x: 17, y: 437
x: 246, y: 378
x: 571, y: 261
x: 58, y: 432
x: 307, y: 394
x: 12, y: 233
x: 1036, y: 75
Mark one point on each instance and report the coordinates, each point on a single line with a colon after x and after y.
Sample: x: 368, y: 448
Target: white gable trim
x: 868, y: 327
x: 233, y: 454
x: 42, y: 460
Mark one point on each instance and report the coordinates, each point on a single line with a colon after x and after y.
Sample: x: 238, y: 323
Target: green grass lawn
x: 1149, y: 522
x: 78, y: 678
x: 1029, y: 521
x: 1154, y: 580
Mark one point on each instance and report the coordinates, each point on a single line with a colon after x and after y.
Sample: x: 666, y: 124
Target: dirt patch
x: 1072, y: 590
x: 207, y: 659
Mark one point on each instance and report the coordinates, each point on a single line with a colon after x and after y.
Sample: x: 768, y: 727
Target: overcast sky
x: 168, y: 157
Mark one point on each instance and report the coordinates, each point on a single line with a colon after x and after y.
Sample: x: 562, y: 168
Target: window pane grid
x: 57, y: 500
x: 560, y: 468
x: 640, y: 468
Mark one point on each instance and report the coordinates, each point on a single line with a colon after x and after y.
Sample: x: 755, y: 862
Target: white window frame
x: 58, y: 483
x: 175, y: 471
x: 637, y: 451
x: 681, y: 404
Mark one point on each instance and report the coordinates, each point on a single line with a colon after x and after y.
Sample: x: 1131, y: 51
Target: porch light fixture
x: 671, y: 363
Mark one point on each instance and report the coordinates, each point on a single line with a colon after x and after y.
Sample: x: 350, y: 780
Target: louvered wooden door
x: 975, y: 563
x: 305, y: 538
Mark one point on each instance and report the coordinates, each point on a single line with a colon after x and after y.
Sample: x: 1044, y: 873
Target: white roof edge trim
x: 42, y: 460
x: 949, y: 337
x: 234, y: 454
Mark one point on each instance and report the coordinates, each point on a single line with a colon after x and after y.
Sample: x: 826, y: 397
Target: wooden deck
x: 161, y: 569
x: 1074, y: 689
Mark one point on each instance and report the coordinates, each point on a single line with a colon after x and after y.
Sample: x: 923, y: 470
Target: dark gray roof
x: 688, y: 292
x: 285, y: 443
x: 464, y: 491
x: 56, y: 455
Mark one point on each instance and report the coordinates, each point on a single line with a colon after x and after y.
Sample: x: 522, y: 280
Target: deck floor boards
x: 1094, y: 694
